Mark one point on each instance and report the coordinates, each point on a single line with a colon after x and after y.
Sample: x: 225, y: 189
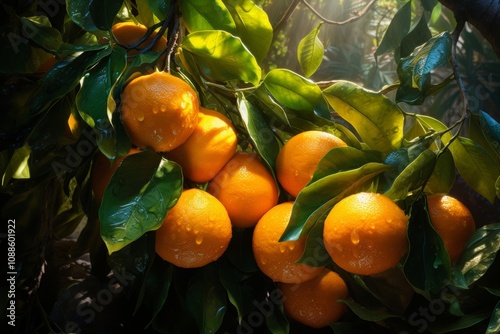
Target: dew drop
x: 188, y: 228
x: 140, y: 117
x: 199, y: 239
x: 163, y: 108
x: 291, y: 246
x: 354, y: 237
x: 282, y: 248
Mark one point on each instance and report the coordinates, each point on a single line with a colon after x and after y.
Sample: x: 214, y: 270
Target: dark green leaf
x: 160, y: 7
x: 104, y: 12
x: 491, y: 130
x: 221, y: 57
x: 253, y: 26
x: 315, y: 254
x: 206, y: 299
x: 239, y: 251
x: 478, y: 168
x: 138, y: 197
x: 292, y: 90
x: 377, y: 119
x: 323, y: 194
x: 39, y: 30
x: 268, y: 105
x: 367, y: 314
x: 479, y: 252
x: 79, y: 12
x: 413, y: 177
x: 443, y: 176
x: 497, y: 187
x: 417, y: 36
x: 397, y: 30
x: 427, y: 265
x: 277, y: 322
x: 458, y: 323
x: 201, y: 15
x: 17, y: 167
x: 261, y: 134
x: 310, y: 51
x: 414, y: 71
x: 494, y: 324
x: 428, y: 4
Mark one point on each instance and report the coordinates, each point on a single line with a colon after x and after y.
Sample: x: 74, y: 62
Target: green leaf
x: 206, y: 299
x: 491, y: 130
x: 64, y: 77
x: 376, y: 314
x: 310, y: 51
x: 160, y: 8
x: 18, y: 166
x: 443, y: 176
x: 292, y: 90
x: 206, y: 15
x: 239, y: 251
x: 458, y: 323
x: 104, y: 12
x: 320, y: 196
x: 413, y: 177
x: 277, y: 322
x: 79, y: 13
x: 260, y: 132
x: 428, y: 4
x: 479, y: 252
x: 268, y: 105
x: 497, y: 187
x: 476, y: 166
x: 315, y: 253
x: 221, y: 57
x: 378, y: 121
x: 93, y: 97
x: 427, y: 265
x: 494, y: 324
x: 138, y: 197
x: 253, y: 26
x: 414, y: 71
x: 417, y: 36
x: 397, y: 30
x: 40, y: 31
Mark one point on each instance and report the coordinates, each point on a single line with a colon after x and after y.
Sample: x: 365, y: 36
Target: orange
x: 159, y: 110
x: 277, y: 259
x: 210, y: 146
x: 314, y: 303
x: 246, y: 188
x: 366, y: 233
x: 195, y: 232
x: 298, y: 158
x: 129, y: 33
x: 453, y: 221
x: 102, y: 171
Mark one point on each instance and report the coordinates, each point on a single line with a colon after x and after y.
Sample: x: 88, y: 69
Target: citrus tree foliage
x: 219, y: 47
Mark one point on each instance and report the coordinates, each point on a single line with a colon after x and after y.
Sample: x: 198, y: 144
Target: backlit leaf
x: 443, y: 176
x: 206, y: 15
x: 397, y: 30
x: 378, y: 121
x: 310, y: 52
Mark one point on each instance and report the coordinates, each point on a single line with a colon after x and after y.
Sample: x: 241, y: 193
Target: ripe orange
x: 453, y: 221
x: 159, y: 110
x: 299, y: 157
x: 129, y: 33
x: 102, y: 171
x: 314, y: 303
x: 209, y: 147
x: 278, y: 259
x: 195, y: 232
x: 366, y: 233
x: 246, y: 188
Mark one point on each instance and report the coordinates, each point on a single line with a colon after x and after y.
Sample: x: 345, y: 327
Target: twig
x: 358, y: 14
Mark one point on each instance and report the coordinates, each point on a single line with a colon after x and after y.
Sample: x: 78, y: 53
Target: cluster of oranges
x: 364, y: 233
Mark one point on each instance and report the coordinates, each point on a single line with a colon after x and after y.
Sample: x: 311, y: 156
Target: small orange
x: 209, y: 147
x: 298, y: 158
x: 453, y: 221
x: 366, y: 233
x: 159, y: 110
x: 129, y: 33
x: 314, y: 303
x: 278, y: 259
x: 102, y: 171
x: 195, y: 232
x: 246, y: 188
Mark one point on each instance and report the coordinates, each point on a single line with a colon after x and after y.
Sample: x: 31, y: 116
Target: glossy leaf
x: 427, y: 265
x: 443, y: 176
x: 378, y: 121
x: 310, y: 51
x: 79, y: 13
x: 315, y: 254
x: 397, y: 30
x: 414, y: 71
x: 491, y: 130
x: 261, y: 134
x: 221, y: 56
x: 39, y: 30
x: 206, y: 299
x: 428, y: 4
x: 268, y: 105
x: 479, y: 253
x: 206, y: 15
x: 478, y: 168
x: 160, y: 7
x: 103, y: 12
x: 18, y: 165
x: 292, y: 90
x: 417, y: 36
x: 377, y: 314
x: 252, y: 25
x: 494, y: 323
x: 138, y: 197
x: 413, y: 177
x: 322, y: 195
x: 277, y: 322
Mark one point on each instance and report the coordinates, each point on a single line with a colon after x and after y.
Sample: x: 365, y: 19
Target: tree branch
x: 358, y: 14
